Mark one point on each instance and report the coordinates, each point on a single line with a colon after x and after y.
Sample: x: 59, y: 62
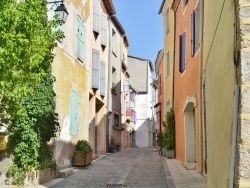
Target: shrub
x: 169, y: 133
x: 83, y: 145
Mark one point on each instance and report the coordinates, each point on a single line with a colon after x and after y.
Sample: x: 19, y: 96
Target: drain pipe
x: 108, y: 126
x: 234, y: 134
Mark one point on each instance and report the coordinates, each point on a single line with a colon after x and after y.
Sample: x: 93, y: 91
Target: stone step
x: 61, y: 167
x: 66, y: 172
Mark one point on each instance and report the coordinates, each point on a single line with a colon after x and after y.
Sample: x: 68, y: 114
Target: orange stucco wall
x: 186, y: 83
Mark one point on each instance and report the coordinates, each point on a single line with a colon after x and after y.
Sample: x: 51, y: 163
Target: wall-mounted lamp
x: 61, y: 11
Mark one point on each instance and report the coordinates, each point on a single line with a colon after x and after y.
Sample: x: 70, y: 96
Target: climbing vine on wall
x: 27, y: 103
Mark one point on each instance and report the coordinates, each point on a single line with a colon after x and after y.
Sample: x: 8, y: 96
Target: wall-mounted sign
x: 129, y: 112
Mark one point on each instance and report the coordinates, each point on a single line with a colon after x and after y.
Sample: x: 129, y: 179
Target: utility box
x: 3, y: 142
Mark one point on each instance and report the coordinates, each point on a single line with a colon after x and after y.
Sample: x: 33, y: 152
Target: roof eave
x: 162, y: 5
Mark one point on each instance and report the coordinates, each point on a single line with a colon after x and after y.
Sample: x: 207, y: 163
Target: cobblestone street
x: 134, y: 167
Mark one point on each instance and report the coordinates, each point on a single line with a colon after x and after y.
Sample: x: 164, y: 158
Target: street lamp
x: 60, y: 11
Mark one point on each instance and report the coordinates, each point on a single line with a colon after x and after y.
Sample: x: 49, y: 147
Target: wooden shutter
x: 168, y: 64
x: 80, y: 40
x: 182, y: 52
x: 73, y: 113
x: 104, y: 30
x: 95, y: 69
x: 96, y: 15
x: 102, y: 78
x: 193, y: 33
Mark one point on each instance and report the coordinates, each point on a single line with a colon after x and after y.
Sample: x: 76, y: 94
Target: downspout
x: 234, y: 134
x: 200, y: 91
x: 174, y: 59
x: 108, y: 126
x: 236, y: 100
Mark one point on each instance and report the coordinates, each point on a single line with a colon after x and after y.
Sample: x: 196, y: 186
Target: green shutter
x: 80, y: 38
x: 73, y: 113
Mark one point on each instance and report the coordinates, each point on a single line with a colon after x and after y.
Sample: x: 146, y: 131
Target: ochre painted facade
x: 219, y: 80
x: 70, y: 75
x: 186, y: 90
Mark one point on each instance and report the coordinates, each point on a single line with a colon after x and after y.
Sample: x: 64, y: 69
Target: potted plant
x: 169, y: 134
x: 83, y: 155
x: 112, y: 145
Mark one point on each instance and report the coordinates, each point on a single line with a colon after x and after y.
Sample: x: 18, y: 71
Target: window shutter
x: 168, y: 64
x: 182, y: 52
x: 73, y: 113
x: 102, y: 78
x: 104, y: 30
x: 80, y: 38
x: 96, y: 12
x: 193, y: 33
x: 95, y: 69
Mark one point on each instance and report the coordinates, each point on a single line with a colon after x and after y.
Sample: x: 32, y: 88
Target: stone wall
x: 243, y: 158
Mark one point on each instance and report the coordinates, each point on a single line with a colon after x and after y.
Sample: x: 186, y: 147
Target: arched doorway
x: 190, y: 129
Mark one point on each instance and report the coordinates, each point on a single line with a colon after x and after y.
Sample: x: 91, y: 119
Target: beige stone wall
x: 243, y: 161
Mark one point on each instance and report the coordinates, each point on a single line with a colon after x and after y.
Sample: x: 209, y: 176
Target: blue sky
x: 143, y: 25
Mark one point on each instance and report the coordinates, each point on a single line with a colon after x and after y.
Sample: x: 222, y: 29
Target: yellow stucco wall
x: 70, y: 74
x: 219, y: 80
x: 168, y: 46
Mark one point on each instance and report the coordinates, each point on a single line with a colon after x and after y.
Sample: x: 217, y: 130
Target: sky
x: 143, y: 25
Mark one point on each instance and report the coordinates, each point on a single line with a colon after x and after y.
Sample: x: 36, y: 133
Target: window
x: 102, y: 78
x: 95, y: 69
x: 104, y: 30
x: 80, y: 38
x: 196, y: 23
x: 167, y: 21
x: 182, y: 58
x: 167, y: 64
x: 113, y: 41
x: 96, y: 15
x: 113, y: 77
x: 116, y: 120
x: 73, y: 113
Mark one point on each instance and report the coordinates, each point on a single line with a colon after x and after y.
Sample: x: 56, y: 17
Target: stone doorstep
x: 67, y: 172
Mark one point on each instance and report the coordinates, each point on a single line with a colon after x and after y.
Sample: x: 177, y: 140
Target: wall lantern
x: 60, y: 11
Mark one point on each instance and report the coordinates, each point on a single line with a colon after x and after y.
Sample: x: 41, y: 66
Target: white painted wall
x: 144, y: 110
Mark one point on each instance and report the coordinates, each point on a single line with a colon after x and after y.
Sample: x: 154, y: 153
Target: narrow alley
x: 132, y: 167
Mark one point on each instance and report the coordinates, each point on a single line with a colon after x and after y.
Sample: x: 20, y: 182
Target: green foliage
x: 26, y: 84
x: 112, y: 142
x: 169, y: 132
x: 160, y: 140
x: 17, y: 174
x: 83, y: 145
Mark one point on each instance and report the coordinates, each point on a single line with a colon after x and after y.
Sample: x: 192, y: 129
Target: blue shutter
x: 193, y: 33
x: 96, y: 16
x: 104, y: 30
x: 95, y: 69
x: 182, y: 52
x: 73, y: 113
x: 80, y: 40
x: 102, y: 78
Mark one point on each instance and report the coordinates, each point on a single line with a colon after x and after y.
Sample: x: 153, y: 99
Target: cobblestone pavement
x: 134, y: 167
